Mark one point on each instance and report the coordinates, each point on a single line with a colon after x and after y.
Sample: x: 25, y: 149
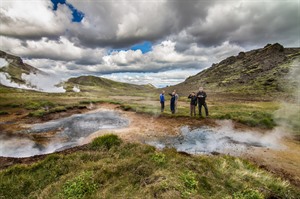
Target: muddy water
x: 209, y: 140
x: 61, y: 134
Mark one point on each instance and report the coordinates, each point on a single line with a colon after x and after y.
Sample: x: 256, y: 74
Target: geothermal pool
x: 209, y: 140
x: 64, y: 133
x: 68, y: 132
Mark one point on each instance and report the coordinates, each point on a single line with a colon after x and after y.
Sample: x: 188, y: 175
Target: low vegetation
x: 109, y: 168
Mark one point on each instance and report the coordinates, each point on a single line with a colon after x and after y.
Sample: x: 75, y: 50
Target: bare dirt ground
x: 284, y: 162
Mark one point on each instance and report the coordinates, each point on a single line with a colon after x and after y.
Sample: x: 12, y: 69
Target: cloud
x: 184, y: 34
x: 246, y: 22
x: 33, y: 19
x: 122, y: 23
x: 61, y: 49
x: 158, y: 79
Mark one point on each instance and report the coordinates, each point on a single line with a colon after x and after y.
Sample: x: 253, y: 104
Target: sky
x: 161, y: 42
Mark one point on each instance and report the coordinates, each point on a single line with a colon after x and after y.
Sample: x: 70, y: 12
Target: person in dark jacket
x: 193, y: 103
x: 176, y: 100
x: 201, y: 95
x: 172, y: 102
x: 162, y: 101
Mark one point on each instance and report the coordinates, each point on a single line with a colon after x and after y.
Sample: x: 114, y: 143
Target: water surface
x: 64, y: 133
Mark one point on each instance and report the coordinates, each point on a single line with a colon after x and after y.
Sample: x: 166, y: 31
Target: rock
x: 241, y: 55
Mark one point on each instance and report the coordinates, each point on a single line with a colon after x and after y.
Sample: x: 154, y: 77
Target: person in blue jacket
x: 162, y: 101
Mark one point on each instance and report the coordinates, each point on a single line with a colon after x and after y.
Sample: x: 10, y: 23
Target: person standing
x: 193, y: 103
x: 176, y: 100
x: 172, y: 102
x: 201, y: 95
x: 162, y: 101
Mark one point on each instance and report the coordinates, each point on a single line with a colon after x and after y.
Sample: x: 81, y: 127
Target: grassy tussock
x: 126, y: 170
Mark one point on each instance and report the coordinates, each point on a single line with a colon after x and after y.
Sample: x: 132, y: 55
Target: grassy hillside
x: 260, y: 72
x: 99, y: 84
x: 108, y: 168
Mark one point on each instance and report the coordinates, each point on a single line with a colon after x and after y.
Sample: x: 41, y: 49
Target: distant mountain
x: 260, y: 71
x: 13, y: 67
x: 92, y: 83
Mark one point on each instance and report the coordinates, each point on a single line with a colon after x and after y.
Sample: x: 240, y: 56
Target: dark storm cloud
x: 117, y: 24
x: 120, y: 24
x: 251, y: 23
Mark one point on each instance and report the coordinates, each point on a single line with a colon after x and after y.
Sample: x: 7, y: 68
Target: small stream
x: 64, y: 133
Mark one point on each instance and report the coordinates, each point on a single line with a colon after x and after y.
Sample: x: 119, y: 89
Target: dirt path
x: 143, y: 125
x: 284, y: 162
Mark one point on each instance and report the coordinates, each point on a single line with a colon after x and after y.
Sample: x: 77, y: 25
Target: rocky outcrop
x: 260, y: 70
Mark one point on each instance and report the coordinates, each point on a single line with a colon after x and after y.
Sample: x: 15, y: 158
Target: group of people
x: 195, y: 99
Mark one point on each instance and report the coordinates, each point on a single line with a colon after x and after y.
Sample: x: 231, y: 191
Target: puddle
x: 208, y: 140
x: 65, y: 133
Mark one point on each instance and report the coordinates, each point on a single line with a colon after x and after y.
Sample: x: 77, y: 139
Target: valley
x: 253, y: 134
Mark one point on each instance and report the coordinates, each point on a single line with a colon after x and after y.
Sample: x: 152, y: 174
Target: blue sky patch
x: 145, y: 47
x: 77, y: 15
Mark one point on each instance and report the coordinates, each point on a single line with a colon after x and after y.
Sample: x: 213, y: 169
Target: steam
x: 38, y: 82
x: 45, y: 83
x: 288, y: 116
x: 69, y: 132
x: 5, y: 80
x: 223, y: 139
x: 76, y: 89
x: 3, y: 63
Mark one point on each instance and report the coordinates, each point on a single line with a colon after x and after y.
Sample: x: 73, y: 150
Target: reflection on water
x: 207, y: 140
x: 68, y: 133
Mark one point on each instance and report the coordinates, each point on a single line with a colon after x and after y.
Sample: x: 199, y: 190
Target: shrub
x: 38, y: 113
x: 190, y: 183
x: 159, y: 158
x: 32, y: 106
x: 248, y: 194
x: 3, y: 113
x: 58, y: 109
x: 84, y: 102
x: 47, y: 103
x: 106, y: 141
x: 80, y: 186
x: 14, y: 105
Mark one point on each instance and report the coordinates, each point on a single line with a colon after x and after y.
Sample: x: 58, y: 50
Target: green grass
x: 139, y: 171
x: 255, y: 113
x: 4, y: 113
x: 106, y: 141
x: 37, y: 113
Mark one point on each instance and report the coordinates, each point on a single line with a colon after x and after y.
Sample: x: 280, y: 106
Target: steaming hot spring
x: 68, y: 132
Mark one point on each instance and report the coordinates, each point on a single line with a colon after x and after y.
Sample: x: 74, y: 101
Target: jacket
x: 201, y: 95
x: 162, y: 97
x: 193, y: 99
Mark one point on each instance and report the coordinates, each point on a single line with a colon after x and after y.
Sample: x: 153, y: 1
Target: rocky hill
x: 261, y: 71
x: 13, y: 67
